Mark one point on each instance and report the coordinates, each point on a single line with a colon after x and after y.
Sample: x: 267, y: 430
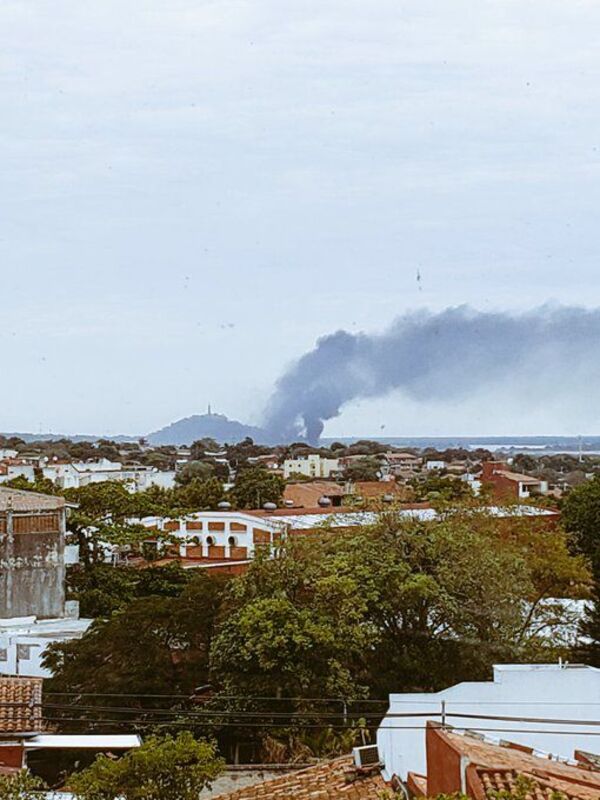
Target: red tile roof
x: 20, y: 705
x: 329, y: 780
x: 492, y: 767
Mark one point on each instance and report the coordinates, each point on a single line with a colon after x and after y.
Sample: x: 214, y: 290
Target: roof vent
x: 224, y: 505
x: 324, y: 501
x: 365, y: 756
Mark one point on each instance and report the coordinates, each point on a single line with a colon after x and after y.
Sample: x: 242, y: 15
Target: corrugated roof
x: 329, y: 780
x: 20, y: 500
x: 20, y: 705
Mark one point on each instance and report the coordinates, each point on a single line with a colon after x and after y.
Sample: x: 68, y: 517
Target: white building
x: 11, y: 470
x: 24, y: 640
x: 527, y: 703
x: 6, y: 452
x: 74, y: 475
x: 435, y: 465
x: 311, y: 466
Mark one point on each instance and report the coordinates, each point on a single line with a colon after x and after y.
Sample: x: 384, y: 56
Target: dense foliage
x: 171, y: 768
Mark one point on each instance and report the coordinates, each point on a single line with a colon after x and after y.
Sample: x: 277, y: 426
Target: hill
x: 200, y: 426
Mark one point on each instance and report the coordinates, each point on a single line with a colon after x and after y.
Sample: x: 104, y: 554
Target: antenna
x: 209, y: 410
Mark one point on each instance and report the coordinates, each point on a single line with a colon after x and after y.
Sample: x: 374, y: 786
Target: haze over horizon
x: 195, y: 193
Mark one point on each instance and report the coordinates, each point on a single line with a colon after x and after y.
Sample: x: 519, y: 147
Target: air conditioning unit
x: 365, y: 756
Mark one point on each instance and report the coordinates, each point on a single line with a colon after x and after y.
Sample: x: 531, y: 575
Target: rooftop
x: 20, y: 500
x: 329, y: 780
x: 493, y: 767
x: 20, y: 705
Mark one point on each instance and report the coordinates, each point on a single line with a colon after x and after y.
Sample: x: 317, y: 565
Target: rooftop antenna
x: 580, y: 450
x: 209, y: 410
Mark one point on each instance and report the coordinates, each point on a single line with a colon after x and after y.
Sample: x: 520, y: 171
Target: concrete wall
x: 544, y: 691
x: 32, y: 568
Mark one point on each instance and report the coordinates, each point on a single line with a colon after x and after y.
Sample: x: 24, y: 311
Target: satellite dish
x: 388, y: 498
x: 224, y: 505
x: 270, y: 506
x: 324, y: 501
x: 288, y: 503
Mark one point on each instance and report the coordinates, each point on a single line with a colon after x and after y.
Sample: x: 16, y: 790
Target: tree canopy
x: 168, y: 768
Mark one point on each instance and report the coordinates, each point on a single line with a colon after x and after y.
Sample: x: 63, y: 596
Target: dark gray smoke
x: 433, y: 356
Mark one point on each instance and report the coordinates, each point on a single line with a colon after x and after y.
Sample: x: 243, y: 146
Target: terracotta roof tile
x: 329, y: 780
x: 20, y: 705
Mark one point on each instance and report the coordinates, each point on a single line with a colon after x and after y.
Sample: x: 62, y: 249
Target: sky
x: 194, y: 192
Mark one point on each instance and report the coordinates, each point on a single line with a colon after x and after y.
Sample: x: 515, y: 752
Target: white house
x: 524, y: 703
x: 311, y: 466
x: 73, y: 475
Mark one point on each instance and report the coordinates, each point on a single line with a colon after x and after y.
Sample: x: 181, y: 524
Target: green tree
x: 363, y: 469
x: 169, y: 768
x: 154, y: 645
x: 255, y: 486
x: 581, y: 517
x: 20, y: 786
x: 101, y: 589
x: 192, y: 471
x: 199, y: 495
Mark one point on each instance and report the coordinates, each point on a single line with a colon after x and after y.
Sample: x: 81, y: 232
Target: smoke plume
x: 424, y: 355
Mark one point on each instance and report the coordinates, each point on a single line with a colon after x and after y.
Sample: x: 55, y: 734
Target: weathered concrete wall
x: 32, y: 568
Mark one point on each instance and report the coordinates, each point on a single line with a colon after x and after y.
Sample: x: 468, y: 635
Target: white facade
x: 311, y: 466
x: 23, y: 642
x: 539, y: 692
x: 7, y: 453
x: 226, y: 530
x: 13, y: 471
x: 136, y: 478
x: 432, y: 465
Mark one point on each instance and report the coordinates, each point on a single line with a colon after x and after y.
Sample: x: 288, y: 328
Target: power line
x: 312, y: 726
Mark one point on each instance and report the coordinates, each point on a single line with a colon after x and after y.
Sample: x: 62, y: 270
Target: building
x: 517, y: 691
x: 482, y: 769
x: 12, y: 468
x: 400, y: 465
x: 435, y: 465
x: 74, y: 475
x: 22, y: 727
x: 311, y: 466
x: 34, y: 557
x: 227, y: 540
x: 508, y: 485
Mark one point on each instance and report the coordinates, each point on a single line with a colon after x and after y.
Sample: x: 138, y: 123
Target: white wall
x: 546, y: 691
x: 23, y: 643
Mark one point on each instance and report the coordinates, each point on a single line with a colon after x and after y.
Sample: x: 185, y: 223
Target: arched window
x: 232, y: 541
x: 210, y: 541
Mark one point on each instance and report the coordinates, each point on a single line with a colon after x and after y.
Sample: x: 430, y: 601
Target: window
x: 3, y: 654
x: 210, y: 541
x: 232, y: 541
x: 23, y: 652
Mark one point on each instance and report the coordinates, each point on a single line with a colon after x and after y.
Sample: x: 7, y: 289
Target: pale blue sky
x: 193, y: 192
